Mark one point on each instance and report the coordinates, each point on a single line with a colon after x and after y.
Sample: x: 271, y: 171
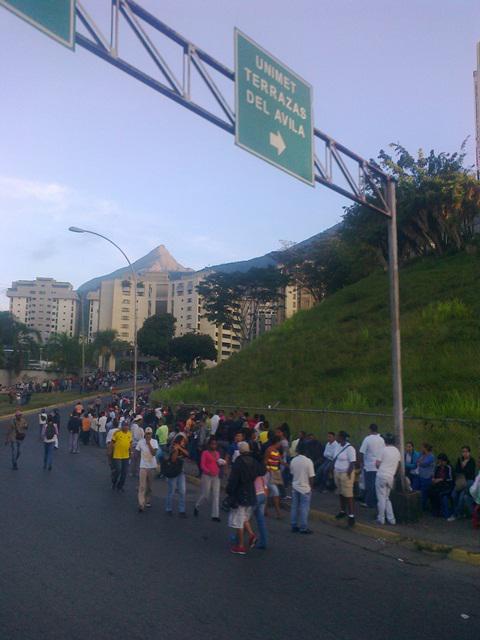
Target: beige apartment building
x: 45, y: 305
x: 185, y: 304
x: 112, y: 306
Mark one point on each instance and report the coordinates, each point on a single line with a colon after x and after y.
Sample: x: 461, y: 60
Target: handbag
x: 460, y: 482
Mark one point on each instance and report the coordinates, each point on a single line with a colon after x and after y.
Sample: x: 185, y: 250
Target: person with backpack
x: 172, y: 469
x: 15, y: 436
x: 49, y: 437
x: 242, y: 496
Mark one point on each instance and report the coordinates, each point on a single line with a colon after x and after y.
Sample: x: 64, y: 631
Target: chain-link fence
x: 447, y: 435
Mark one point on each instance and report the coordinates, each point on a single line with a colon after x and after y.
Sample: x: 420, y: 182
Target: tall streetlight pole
x: 134, y: 278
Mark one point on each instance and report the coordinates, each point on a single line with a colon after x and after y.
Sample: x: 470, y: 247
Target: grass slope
x: 337, y: 355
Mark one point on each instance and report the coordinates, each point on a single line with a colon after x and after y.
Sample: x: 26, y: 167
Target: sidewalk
x: 455, y: 540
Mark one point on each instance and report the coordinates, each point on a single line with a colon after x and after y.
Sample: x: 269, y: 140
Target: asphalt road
x: 77, y: 561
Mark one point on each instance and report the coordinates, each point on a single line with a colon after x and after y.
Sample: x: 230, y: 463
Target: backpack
x: 171, y: 469
x: 49, y: 431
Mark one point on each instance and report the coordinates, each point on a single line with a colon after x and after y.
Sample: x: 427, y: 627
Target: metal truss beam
x: 368, y: 187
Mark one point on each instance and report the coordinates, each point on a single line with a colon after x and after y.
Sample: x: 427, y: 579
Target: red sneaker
x: 252, y: 541
x: 238, y: 550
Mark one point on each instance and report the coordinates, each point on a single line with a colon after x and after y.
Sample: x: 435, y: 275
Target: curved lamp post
x: 134, y: 277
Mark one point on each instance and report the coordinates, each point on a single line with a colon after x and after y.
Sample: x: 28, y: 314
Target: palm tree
x: 19, y: 340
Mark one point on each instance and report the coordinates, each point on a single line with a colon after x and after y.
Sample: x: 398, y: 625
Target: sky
x: 82, y: 143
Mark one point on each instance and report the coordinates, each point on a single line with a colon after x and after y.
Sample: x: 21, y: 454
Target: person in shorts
x: 241, y: 493
x: 344, y: 474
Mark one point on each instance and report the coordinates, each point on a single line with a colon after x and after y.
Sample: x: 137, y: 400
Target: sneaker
x: 451, y: 519
x: 216, y: 519
x: 148, y: 505
x: 392, y: 522
x: 351, y: 521
x: 364, y: 504
x: 295, y: 529
x: 378, y: 521
x: 238, y: 550
x: 252, y: 541
x: 140, y: 509
x: 195, y: 512
x: 306, y: 532
x: 340, y: 515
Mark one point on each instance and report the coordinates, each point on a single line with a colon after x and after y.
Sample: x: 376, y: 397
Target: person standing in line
x: 137, y: 435
x: 74, y: 425
x: 147, y: 447
x: 210, y: 480
x: 465, y: 472
x: 121, y: 446
x: 410, y: 462
x: 303, y: 474
x: 325, y: 470
x: 102, y: 430
x: 370, y: 451
x: 86, y: 426
x: 387, y: 466
x: 176, y: 478
x: 261, y: 494
x: 344, y: 474
x: 42, y: 421
x: 49, y: 437
x: 15, y: 436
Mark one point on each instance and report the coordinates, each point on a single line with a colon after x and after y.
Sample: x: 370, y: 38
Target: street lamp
x: 134, y: 277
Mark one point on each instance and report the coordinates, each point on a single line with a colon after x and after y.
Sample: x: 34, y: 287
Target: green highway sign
x: 56, y: 18
x: 273, y: 108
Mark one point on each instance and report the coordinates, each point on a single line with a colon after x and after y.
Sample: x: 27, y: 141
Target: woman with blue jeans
x: 261, y: 492
x: 177, y: 483
x: 426, y: 468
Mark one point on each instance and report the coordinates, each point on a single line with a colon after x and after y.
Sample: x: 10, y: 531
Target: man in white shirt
x: 102, y: 430
x: 387, y: 466
x: 147, y: 448
x: 326, y: 468
x: 344, y: 474
x: 214, y: 421
x: 303, y: 474
x: 137, y: 435
x: 371, y: 450
x: 42, y: 422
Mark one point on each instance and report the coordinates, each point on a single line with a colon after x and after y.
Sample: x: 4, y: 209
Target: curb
x: 457, y: 554
x: 58, y: 405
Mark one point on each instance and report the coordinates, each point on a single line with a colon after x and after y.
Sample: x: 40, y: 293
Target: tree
x: 438, y: 203
x: 156, y: 334
x: 189, y: 347
x: 106, y: 344
x: 65, y: 352
x: 21, y: 342
x: 236, y: 300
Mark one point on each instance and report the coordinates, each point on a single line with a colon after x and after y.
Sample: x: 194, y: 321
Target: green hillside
x: 337, y: 355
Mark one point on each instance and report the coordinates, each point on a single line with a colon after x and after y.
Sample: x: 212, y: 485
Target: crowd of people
x: 258, y: 466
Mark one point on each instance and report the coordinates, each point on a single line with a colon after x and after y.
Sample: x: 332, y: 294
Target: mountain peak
x: 158, y: 260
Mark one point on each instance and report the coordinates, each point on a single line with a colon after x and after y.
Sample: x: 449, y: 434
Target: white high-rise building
x: 45, y: 305
x: 476, y: 83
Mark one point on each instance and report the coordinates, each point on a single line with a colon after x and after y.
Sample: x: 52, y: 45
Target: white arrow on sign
x: 277, y: 141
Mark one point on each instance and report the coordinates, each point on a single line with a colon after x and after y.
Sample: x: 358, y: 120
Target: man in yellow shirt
x: 121, y: 447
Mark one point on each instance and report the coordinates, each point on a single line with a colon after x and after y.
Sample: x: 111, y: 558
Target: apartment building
x: 45, y: 305
x: 112, y: 306
x: 296, y: 299
x: 185, y: 304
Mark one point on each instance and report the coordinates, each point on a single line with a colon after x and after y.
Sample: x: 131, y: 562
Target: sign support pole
x: 395, y: 323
